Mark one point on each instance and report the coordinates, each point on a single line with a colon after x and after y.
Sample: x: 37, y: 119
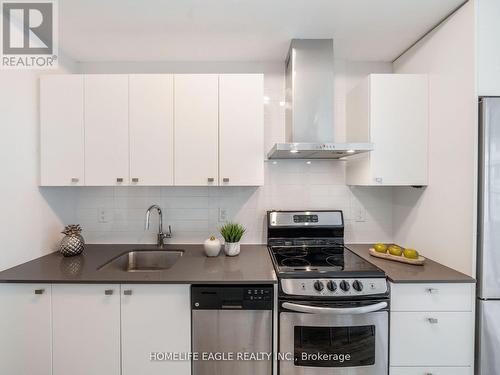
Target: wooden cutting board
x: 416, y: 262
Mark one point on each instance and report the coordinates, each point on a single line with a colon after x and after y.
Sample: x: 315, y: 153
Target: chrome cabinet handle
x: 225, y: 179
x: 432, y: 290
x: 127, y: 292
x: 75, y: 179
x: 119, y: 179
x: 210, y: 179
x: 379, y: 180
x: 432, y: 320
x: 135, y: 179
x: 39, y: 291
x: 108, y: 292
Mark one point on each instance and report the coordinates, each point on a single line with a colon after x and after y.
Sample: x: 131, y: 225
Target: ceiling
x: 241, y: 30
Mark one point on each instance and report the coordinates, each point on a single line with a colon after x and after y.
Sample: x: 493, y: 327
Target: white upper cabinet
x: 196, y: 129
x: 151, y: 116
x: 86, y: 329
x: 62, y: 130
x: 25, y: 329
x: 155, y: 318
x: 152, y: 130
x: 391, y: 111
x: 106, y: 130
x: 241, y: 129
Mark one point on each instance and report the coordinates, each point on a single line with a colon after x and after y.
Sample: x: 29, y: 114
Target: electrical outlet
x: 104, y: 215
x: 359, y: 214
x: 222, y: 215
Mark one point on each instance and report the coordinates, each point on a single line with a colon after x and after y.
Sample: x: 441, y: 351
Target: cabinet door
x: 155, y: 318
x: 25, y: 331
x: 399, y: 118
x: 432, y: 297
x: 86, y: 329
x: 431, y: 371
x: 241, y: 129
x: 196, y: 129
x: 61, y: 130
x: 106, y: 130
x: 151, y: 110
x: 432, y: 339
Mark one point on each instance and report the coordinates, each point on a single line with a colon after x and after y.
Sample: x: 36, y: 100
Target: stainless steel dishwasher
x: 232, y: 322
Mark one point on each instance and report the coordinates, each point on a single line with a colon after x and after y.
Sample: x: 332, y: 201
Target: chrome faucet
x: 160, y: 236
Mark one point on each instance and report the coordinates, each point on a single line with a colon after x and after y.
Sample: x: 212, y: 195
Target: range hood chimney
x: 309, y: 124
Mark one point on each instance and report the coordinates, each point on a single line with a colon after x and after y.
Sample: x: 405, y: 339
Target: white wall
x: 31, y: 218
x: 193, y: 212
x: 440, y: 219
x: 488, y: 48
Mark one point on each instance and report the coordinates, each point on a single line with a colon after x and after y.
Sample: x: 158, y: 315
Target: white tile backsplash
x: 193, y: 212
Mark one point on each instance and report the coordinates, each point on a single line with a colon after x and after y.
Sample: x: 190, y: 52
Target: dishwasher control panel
x: 232, y: 297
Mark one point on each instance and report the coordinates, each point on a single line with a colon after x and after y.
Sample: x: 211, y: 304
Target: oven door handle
x: 334, y: 310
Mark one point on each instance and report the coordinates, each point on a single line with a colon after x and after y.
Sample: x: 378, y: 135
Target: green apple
x: 380, y: 248
x: 410, y: 253
x: 395, y: 250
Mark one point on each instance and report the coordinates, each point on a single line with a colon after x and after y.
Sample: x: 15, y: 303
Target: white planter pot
x: 232, y: 248
x: 212, y: 247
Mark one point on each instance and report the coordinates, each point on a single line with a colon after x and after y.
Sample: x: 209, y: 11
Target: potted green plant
x: 232, y: 233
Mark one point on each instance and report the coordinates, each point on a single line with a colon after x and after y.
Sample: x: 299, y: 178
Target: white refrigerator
x: 488, y: 275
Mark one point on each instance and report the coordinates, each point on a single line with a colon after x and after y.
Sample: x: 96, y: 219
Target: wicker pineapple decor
x: 73, y: 243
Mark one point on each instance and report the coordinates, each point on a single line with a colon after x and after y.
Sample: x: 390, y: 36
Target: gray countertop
x: 252, y: 266
x: 397, y: 272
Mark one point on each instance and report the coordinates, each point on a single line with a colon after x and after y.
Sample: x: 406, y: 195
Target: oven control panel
x: 334, y: 287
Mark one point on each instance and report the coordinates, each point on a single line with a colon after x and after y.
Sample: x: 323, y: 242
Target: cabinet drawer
x: 432, y: 297
x: 432, y: 339
x: 431, y: 371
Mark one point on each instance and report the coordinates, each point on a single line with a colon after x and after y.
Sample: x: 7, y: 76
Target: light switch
x: 105, y: 215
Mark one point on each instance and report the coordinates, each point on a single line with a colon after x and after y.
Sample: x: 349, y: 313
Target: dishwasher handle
x: 334, y: 310
x: 231, y: 307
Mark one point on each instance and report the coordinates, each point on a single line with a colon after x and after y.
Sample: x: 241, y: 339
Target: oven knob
x: 332, y: 286
x: 318, y: 285
x: 357, y: 285
x: 344, y: 285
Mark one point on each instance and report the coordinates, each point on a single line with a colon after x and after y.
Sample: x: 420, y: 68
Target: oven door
x: 349, y: 338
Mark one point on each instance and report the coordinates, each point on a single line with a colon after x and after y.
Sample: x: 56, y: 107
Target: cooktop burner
x: 295, y: 262
x: 320, y: 259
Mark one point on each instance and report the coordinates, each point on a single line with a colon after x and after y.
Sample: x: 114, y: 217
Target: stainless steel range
x: 333, y: 305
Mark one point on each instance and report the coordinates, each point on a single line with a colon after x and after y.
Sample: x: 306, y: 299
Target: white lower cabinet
x: 86, y: 329
x: 25, y: 329
x: 431, y: 371
x: 432, y: 329
x: 155, y: 318
x: 93, y: 329
x: 431, y: 338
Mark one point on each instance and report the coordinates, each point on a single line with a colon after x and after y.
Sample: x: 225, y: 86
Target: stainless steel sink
x: 144, y: 261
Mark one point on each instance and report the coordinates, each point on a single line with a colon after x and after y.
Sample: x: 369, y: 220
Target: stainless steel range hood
x: 309, y: 128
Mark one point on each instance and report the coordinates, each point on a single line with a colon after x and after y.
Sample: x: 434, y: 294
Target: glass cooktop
x: 332, y: 260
